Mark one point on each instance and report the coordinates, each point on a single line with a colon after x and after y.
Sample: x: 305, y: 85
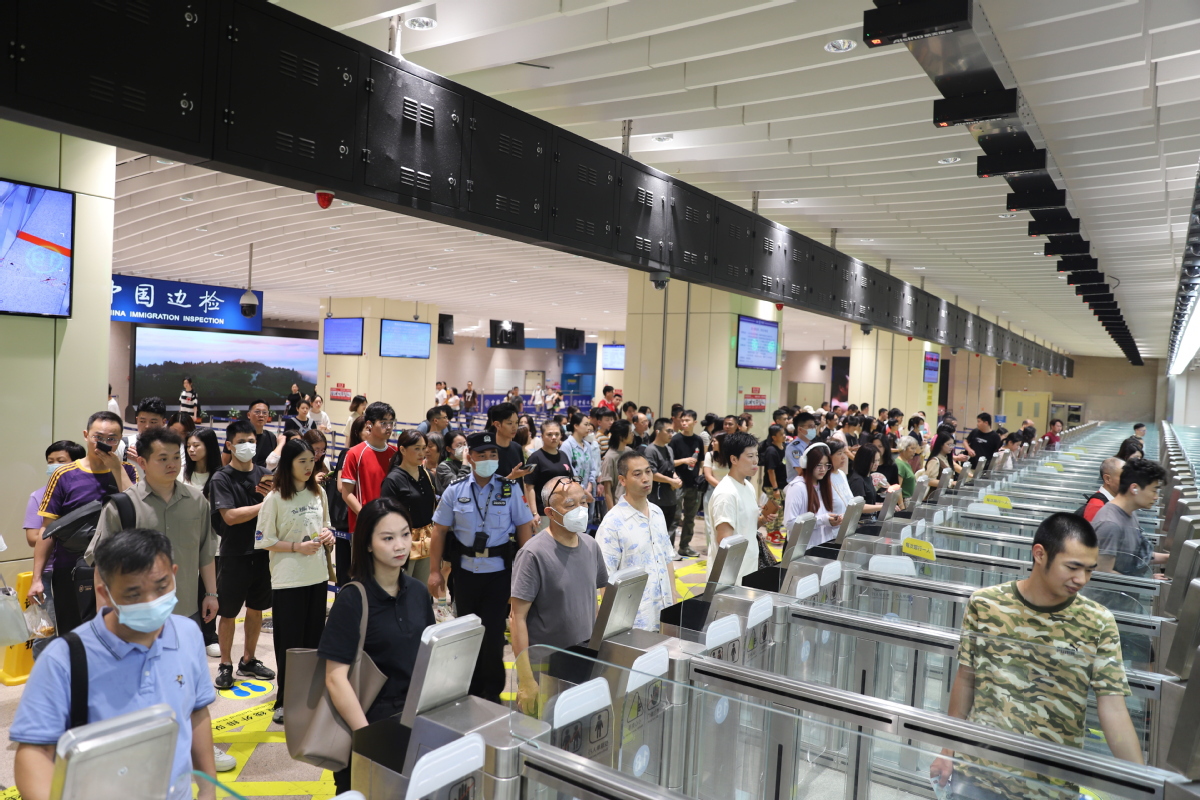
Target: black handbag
x: 765, y: 557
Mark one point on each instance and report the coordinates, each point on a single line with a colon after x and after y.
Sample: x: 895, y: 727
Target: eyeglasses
x: 387, y: 426
x: 109, y: 440
x: 821, y: 466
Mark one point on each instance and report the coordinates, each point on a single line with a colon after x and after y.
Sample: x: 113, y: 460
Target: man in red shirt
x: 1054, y: 434
x: 367, y: 463
x: 610, y: 399
x: 1110, y: 484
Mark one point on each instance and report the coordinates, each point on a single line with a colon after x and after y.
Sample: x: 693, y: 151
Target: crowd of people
x: 519, y: 523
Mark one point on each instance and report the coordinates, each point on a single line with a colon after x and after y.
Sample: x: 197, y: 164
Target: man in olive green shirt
x: 176, y: 509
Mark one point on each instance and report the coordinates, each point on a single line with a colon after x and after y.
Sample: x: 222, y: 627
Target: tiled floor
x: 243, y: 727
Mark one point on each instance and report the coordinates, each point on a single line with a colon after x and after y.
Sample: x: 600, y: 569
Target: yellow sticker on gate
x: 999, y: 501
x: 1053, y: 465
x: 918, y: 548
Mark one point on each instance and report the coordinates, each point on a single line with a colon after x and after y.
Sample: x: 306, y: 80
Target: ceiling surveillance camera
x: 824, y: 363
x: 866, y: 329
x: 660, y: 279
x: 953, y: 351
x: 249, y: 304
x: 999, y: 362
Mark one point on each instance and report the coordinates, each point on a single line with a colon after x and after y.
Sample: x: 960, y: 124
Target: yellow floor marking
x: 10, y: 793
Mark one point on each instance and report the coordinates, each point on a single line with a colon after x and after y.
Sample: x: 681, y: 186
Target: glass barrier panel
x: 739, y: 747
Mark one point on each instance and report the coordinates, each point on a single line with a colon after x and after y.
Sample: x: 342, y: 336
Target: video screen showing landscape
x: 228, y: 370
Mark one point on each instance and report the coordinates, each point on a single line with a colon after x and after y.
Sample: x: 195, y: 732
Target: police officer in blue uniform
x: 487, y: 521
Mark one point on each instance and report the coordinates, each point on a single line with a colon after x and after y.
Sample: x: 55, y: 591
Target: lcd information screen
x: 401, y: 339
x: 343, y: 336
x: 612, y: 356
x: 36, y: 245
x: 933, y: 362
x: 757, y: 343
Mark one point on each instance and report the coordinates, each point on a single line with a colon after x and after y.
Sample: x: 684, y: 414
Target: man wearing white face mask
x: 554, y: 581
x: 806, y: 433
x: 137, y: 655
x: 478, y: 525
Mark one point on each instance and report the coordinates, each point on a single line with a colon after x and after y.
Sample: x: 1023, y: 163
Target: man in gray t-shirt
x: 554, y: 581
x: 1123, y: 548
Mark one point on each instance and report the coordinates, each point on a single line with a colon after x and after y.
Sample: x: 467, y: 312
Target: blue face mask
x: 810, y: 433
x: 147, y: 617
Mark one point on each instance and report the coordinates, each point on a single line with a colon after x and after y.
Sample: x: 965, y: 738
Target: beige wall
x: 1112, y: 388
x: 55, y: 371
x: 700, y: 349
x: 974, y: 380
x: 405, y: 383
x: 471, y: 359
x: 804, y: 366
x: 887, y: 369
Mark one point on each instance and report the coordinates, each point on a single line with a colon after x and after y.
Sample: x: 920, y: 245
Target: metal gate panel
x: 414, y: 136
x: 508, y: 167
x: 292, y: 95
x: 585, y: 192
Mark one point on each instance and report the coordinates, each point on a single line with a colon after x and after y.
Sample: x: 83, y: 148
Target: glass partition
x: 740, y: 746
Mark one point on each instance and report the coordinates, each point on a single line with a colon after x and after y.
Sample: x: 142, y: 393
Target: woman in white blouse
x: 812, y: 489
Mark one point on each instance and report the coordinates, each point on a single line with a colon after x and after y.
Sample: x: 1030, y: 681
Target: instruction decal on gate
x: 918, y: 548
x: 999, y: 501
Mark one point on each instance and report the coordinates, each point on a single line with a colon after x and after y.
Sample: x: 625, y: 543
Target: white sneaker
x: 224, y: 761
x: 213, y: 650
x: 277, y: 717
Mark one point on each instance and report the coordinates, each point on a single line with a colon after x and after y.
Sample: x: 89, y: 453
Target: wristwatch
x: 210, y: 594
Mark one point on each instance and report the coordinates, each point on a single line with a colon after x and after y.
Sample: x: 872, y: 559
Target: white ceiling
x: 752, y: 102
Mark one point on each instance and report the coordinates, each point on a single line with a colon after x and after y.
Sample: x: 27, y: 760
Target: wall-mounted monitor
x: 933, y: 362
x: 570, y: 340
x: 37, y: 240
x: 757, y: 343
x: 343, y: 336
x: 507, y: 335
x: 612, y: 356
x: 445, y: 329
x: 403, y: 339
x: 228, y: 370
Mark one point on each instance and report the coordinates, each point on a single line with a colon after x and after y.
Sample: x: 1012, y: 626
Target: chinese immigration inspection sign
x: 187, y: 305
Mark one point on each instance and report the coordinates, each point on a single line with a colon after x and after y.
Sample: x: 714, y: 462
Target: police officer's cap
x: 482, y: 440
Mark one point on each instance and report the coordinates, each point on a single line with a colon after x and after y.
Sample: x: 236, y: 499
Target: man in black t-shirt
x: 259, y: 414
x: 983, y: 441
x: 551, y: 462
x: 502, y: 419
x: 235, y: 493
x: 688, y: 449
x: 665, y: 481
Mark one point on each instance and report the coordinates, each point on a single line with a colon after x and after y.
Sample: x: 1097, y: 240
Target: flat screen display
x: 401, y: 339
x: 344, y: 336
x: 933, y: 362
x: 757, y: 343
x: 570, y: 340
x: 612, y: 356
x: 507, y: 334
x: 37, y: 243
x: 228, y: 370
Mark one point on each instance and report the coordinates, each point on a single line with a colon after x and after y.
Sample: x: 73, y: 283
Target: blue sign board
x: 183, y: 305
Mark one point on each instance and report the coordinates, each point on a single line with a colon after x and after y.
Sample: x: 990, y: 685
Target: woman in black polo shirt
x: 398, y: 610
x: 410, y: 484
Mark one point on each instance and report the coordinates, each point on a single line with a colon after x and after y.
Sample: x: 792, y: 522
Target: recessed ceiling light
x: 493, y: 294
x: 187, y: 198
x: 511, y: 280
x: 1062, y: 277
x: 606, y: 312
x: 791, y: 201
x: 345, y: 203
x: 420, y: 284
x: 433, y: 268
x: 866, y: 240
x: 664, y: 137
x: 1007, y: 216
x: 334, y: 250
x: 425, y: 20
x: 918, y: 268
x: 554, y: 304
x: 218, y: 254
x: 841, y: 46
x: 203, y: 229
x: 949, y: 160
x: 335, y: 227
x: 448, y: 250
x: 331, y: 269
x: 166, y: 162
x: 1039, y: 252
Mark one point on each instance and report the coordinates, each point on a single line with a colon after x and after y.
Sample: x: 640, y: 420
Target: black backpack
x: 78, y: 530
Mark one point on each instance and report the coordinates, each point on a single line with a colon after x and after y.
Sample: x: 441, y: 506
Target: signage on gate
x: 340, y: 392
x: 185, y: 305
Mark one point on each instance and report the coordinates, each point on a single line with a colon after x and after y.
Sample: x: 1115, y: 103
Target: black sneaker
x: 688, y: 552
x: 224, y: 676
x: 255, y: 669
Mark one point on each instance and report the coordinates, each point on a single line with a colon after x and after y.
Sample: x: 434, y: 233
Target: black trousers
x: 669, y: 513
x: 486, y: 595
x: 299, y: 616
x: 66, y: 601
x: 341, y: 561
x: 209, y: 629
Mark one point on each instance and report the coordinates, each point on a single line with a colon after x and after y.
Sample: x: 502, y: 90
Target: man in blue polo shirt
x: 138, y: 655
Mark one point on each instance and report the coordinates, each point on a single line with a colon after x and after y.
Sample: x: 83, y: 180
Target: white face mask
x: 245, y: 451
x: 575, y: 520
x: 487, y: 468
x: 50, y: 468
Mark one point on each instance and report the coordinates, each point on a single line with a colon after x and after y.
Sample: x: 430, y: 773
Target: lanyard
x: 475, y: 499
